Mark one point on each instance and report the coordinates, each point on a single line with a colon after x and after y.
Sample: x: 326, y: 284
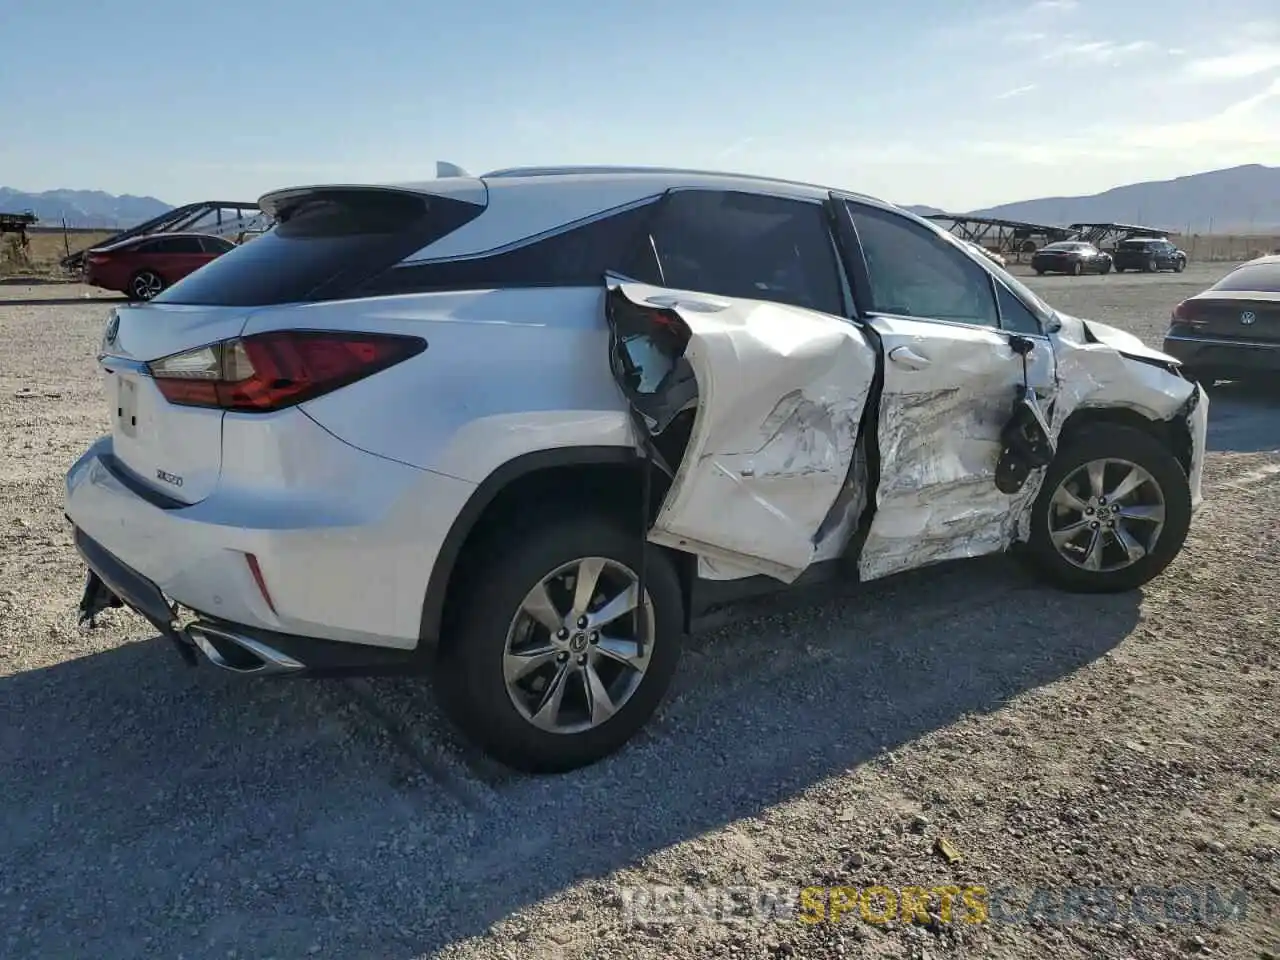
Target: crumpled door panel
x: 779, y: 394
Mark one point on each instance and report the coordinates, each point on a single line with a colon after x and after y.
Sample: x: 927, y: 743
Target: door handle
x: 906, y: 357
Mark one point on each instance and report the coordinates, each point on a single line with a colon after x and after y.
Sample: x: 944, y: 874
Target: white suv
x: 467, y: 424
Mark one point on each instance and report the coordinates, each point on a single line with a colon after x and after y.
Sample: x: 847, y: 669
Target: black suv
x: 1150, y: 254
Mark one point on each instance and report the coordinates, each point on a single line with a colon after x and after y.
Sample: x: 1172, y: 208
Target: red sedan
x: 141, y: 267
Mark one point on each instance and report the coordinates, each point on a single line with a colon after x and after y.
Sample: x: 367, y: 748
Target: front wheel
x: 1179, y: 265
x: 1153, y: 265
x: 553, y: 662
x: 1112, y: 513
x: 1077, y: 268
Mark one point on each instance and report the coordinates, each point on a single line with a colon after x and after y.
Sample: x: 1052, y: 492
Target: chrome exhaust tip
x: 237, y: 653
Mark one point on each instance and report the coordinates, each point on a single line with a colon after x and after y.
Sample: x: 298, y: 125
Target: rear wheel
x: 1119, y: 269
x: 1179, y: 265
x: 145, y: 284
x: 1113, y: 512
x: 553, y: 663
x: 1077, y: 268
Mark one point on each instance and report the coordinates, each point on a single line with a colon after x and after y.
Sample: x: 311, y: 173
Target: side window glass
x: 576, y: 258
x: 746, y: 245
x: 915, y: 273
x: 148, y: 246
x: 214, y: 245
x: 1014, y: 315
x: 184, y: 245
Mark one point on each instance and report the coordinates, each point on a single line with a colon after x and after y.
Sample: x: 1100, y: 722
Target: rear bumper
x: 346, y: 561
x: 1221, y: 355
x: 234, y: 647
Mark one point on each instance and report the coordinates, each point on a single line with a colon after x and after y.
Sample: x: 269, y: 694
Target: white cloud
x: 1053, y: 6
x: 1243, y: 132
x: 1245, y: 62
x: 1098, y: 51
x: 1016, y: 91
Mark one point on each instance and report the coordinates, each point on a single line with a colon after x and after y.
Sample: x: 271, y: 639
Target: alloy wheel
x: 1106, y: 515
x: 146, y: 285
x: 578, y: 647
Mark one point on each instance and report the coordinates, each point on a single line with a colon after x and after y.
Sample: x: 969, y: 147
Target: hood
x: 1126, y: 344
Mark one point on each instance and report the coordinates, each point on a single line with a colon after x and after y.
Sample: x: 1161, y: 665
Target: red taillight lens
x: 268, y: 371
x: 1184, y: 315
x: 98, y: 258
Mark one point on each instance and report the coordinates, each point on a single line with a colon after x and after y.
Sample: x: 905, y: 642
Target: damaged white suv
x: 525, y: 430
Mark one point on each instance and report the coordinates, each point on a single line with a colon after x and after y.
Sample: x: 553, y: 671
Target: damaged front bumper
x: 1195, y: 412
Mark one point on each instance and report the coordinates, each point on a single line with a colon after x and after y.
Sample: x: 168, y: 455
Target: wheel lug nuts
x: 595, y: 637
x: 563, y: 633
x: 1088, y: 511
x: 582, y: 660
x: 582, y: 622
x: 561, y: 657
x: 1094, y: 525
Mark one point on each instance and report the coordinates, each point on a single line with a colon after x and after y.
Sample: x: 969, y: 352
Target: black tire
x: 469, y: 676
x: 1077, y: 268
x: 1106, y: 268
x: 144, y: 285
x: 1136, y: 447
x: 1179, y: 265
x: 1153, y: 265
x: 1039, y: 273
x: 1119, y: 269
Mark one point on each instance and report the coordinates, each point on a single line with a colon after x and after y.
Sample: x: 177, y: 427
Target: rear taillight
x: 1183, y: 316
x: 98, y: 258
x: 268, y: 371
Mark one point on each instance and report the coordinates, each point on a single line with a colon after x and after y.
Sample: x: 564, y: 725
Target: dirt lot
x: 1057, y: 741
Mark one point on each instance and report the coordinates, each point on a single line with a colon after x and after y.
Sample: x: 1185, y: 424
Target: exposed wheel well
x: 1175, y: 433
x: 611, y: 483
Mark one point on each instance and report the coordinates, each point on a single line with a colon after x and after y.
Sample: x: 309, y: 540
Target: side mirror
x: 1053, y: 324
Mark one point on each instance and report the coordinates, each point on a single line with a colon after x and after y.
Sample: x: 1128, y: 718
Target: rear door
x: 744, y: 331
x: 946, y: 327
x: 175, y: 257
x: 328, y: 241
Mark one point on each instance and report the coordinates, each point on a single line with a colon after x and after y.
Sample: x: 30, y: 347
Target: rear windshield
x: 328, y: 242
x: 1137, y: 244
x: 1066, y: 246
x: 1260, y: 277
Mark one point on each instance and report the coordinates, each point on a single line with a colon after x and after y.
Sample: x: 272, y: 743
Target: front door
x: 947, y: 329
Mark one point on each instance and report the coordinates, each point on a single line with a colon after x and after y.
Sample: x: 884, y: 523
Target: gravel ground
x: 1057, y: 741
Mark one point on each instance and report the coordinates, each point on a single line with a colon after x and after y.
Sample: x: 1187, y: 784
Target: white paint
x: 780, y: 393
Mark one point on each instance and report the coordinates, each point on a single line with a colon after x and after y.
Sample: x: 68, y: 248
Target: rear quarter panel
x: 505, y: 372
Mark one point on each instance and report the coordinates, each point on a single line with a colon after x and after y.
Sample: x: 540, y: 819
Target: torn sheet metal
x: 780, y: 393
x: 939, y: 432
x: 937, y: 502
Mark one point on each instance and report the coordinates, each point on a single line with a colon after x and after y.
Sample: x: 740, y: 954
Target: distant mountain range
x: 82, y: 208
x: 1236, y: 200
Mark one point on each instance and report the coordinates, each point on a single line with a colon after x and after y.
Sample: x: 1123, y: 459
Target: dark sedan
x: 1232, y: 330
x: 1070, y: 256
x: 1150, y: 254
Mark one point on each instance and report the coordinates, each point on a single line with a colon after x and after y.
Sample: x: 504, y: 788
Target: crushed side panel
x: 781, y: 391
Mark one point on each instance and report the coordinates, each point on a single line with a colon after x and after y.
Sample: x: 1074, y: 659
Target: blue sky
x: 957, y: 104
